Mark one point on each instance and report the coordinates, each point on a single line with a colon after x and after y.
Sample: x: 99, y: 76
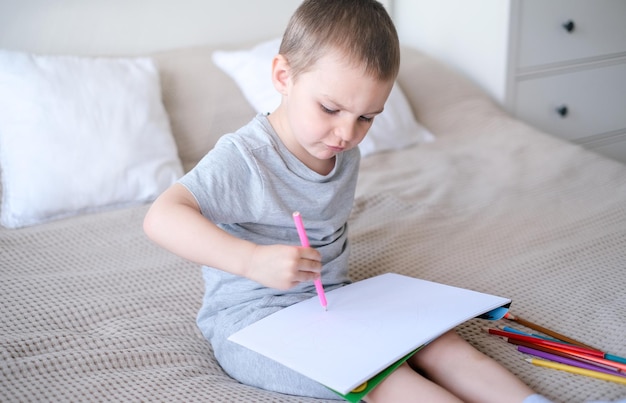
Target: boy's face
x: 327, y: 110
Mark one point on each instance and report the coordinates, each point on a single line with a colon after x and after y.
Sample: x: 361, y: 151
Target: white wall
x: 89, y: 27
x: 471, y: 33
x: 137, y: 26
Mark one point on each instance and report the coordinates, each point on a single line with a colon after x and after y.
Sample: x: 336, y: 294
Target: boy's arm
x: 174, y: 222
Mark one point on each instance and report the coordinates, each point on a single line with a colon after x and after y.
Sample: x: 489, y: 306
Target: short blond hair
x: 360, y: 29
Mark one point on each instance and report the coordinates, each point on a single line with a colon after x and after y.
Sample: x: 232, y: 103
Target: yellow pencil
x: 576, y: 370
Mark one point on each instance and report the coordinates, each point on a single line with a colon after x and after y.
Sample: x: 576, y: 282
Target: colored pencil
x: 536, y: 340
x: 611, y: 364
x: 615, y: 358
x: 576, y: 370
x: 547, y: 331
x: 552, y: 333
x: 600, y: 362
x: 564, y: 360
x: 511, y: 329
x: 304, y: 240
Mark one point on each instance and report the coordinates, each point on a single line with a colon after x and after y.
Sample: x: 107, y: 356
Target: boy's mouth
x: 336, y: 149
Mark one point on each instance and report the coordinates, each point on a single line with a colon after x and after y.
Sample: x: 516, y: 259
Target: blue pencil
x: 512, y: 330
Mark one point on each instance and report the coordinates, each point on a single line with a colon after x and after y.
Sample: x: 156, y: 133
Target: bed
x: 91, y: 310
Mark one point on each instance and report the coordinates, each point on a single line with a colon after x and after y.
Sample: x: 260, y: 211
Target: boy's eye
x: 328, y: 110
x: 333, y: 111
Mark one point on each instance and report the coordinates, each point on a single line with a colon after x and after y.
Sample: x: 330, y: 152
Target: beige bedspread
x: 91, y: 310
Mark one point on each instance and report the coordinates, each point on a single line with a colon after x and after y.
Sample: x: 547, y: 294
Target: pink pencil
x: 304, y: 240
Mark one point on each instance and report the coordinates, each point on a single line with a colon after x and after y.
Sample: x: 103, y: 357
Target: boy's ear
x: 280, y: 73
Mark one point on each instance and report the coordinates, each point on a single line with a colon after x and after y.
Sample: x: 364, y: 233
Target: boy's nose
x: 346, y: 131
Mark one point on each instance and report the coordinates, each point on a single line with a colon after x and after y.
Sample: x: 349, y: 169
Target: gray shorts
x: 254, y: 369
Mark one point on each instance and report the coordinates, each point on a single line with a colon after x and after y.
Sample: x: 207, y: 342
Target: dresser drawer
x: 595, y: 100
x: 599, y: 28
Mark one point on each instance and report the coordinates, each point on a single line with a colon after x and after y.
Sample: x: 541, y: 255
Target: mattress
x: 93, y: 311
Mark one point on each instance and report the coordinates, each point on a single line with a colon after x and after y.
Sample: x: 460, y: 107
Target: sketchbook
x: 370, y: 327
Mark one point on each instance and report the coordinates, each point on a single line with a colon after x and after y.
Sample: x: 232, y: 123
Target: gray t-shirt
x: 249, y: 185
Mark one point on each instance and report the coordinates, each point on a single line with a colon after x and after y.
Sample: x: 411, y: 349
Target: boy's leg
x: 405, y: 385
x: 458, y: 367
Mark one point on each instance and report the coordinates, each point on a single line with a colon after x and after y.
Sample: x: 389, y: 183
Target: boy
x: 233, y: 212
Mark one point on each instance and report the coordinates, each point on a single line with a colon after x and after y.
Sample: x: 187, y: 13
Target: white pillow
x: 395, y: 128
x: 80, y: 135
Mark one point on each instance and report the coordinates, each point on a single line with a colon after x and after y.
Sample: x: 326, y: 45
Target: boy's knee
x: 449, y: 346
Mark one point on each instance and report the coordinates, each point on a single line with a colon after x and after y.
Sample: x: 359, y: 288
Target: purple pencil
x: 565, y: 360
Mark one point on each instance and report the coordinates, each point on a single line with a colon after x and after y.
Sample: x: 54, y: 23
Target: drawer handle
x: 562, y: 110
x: 569, y: 26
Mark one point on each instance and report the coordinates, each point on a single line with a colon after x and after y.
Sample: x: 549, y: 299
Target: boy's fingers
x: 306, y: 276
x: 310, y: 254
x: 310, y: 266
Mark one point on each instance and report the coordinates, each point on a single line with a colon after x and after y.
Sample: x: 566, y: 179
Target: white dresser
x: 559, y: 65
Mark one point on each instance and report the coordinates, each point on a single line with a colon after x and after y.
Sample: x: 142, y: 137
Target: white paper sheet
x: 369, y: 325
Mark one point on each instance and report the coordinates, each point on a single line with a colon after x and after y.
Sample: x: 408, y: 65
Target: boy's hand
x: 283, y: 267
